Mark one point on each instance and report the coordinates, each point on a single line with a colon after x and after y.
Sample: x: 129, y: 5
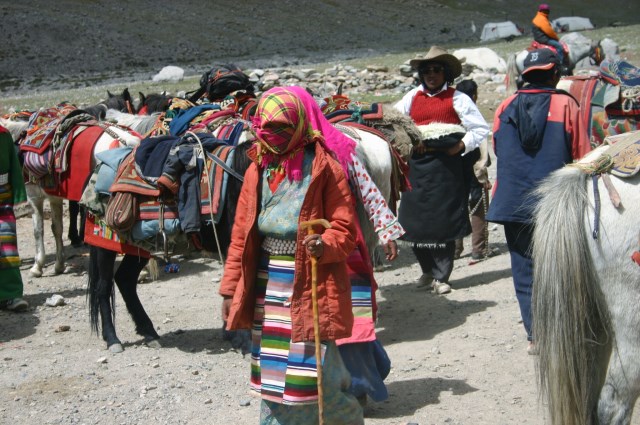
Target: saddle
x: 535, y: 46
x: 619, y: 155
x: 624, y: 86
x: 339, y: 108
x: 603, y: 106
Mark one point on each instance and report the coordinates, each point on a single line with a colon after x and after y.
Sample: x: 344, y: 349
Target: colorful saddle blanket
x: 340, y: 108
x: 42, y: 127
x: 619, y: 72
x: 602, y: 107
x: 213, y: 183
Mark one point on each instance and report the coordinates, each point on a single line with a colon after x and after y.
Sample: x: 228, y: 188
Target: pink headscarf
x: 282, y: 130
x: 342, y: 146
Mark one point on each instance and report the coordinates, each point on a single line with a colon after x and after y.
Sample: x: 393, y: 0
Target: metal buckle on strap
x: 4, y: 178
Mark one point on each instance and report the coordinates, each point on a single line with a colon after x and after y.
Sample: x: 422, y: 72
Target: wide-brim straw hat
x: 438, y: 54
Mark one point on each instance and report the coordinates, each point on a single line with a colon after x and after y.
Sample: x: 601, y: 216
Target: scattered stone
x: 102, y: 360
x: 63, y: 328
x: 245, y: 403
x: 55, y: 301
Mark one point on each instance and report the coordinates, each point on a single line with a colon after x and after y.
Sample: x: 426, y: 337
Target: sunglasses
x: 435, y: 69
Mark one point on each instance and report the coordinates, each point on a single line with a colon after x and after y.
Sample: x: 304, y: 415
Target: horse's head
x: 597, y: 54
x: 122, y: 102
x: 156, y: 102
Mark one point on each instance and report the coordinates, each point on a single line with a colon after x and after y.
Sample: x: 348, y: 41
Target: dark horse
x: 102, y: 272
x: 121, y: 102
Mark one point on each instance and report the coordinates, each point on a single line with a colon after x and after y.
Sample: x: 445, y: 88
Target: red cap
x: 544, y: 7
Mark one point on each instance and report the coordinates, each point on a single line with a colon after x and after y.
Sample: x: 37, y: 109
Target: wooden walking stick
x: 316, y: 319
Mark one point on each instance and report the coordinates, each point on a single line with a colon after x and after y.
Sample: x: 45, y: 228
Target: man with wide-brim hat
x: 435, y: 212
x: 437, y: 55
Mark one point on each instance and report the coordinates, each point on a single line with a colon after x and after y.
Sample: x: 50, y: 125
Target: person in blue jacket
x: 535, y: 132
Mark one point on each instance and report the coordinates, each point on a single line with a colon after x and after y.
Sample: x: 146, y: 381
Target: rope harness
x: 595, y: 169
x: 484, y: 201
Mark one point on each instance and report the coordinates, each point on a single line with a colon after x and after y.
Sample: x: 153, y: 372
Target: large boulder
x: 169, y: 73
x: 482, y: 58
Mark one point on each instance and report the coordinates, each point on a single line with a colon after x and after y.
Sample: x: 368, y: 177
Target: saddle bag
x: 38, y: 165
x: 122, y: 211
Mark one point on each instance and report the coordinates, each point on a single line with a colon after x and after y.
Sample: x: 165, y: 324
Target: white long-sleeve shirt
x: 469, y: 114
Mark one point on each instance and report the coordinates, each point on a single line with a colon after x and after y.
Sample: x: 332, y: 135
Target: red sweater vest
x: 426, y: 109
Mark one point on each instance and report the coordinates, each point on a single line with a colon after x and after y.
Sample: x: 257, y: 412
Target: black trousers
x: 437, y: 262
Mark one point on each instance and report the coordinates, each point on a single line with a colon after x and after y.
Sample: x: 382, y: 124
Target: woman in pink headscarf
x: 267, y: 277
x: 362, y: 353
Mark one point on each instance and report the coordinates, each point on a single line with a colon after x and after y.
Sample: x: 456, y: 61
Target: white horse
x: 579, y: 46
x: 586, y: 295
x: 36, y: 195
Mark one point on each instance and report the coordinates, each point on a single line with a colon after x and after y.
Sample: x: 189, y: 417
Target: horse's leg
x: 83, y: 216
x: 127, y: 280
x: 36, y: 199
x: 621, y: 386
x: 620, y: 285
x: 56, y: 228
x: 101, y: 299
x: 72, y: 233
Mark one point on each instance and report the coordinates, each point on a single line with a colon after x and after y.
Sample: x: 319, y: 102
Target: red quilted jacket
x: 328, y: 197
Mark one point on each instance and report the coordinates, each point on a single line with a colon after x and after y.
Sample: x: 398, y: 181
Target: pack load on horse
x: 610, y: 99
x: 223, y: 117
x: 576, y: 45
x: 170, y: 195
x: 58, y: 147
x: 587, y: 286
x: 228, y: 85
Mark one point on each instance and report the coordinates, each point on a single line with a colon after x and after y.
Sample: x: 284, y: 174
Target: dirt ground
x: 456, y: 359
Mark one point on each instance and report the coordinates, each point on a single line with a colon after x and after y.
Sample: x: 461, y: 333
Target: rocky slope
x: 80, y: 42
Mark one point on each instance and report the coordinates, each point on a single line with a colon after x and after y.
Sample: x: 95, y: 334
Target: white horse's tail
x: 570, y: 319
x: 511, y: 78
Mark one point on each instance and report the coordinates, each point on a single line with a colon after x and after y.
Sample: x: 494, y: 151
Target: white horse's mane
x: 140, y: 123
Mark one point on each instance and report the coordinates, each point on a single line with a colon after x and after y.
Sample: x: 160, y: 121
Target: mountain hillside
x: 79, y: 42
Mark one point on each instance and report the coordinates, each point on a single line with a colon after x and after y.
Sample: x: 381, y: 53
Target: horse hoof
x: 77, y: 243
x: 35, y: 273
x: 116, y: 348
x: 153, y: 343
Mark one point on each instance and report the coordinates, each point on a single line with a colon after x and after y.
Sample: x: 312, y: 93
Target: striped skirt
x: 282, y: 371
x: 9, y: 257
x: 10, y: 278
